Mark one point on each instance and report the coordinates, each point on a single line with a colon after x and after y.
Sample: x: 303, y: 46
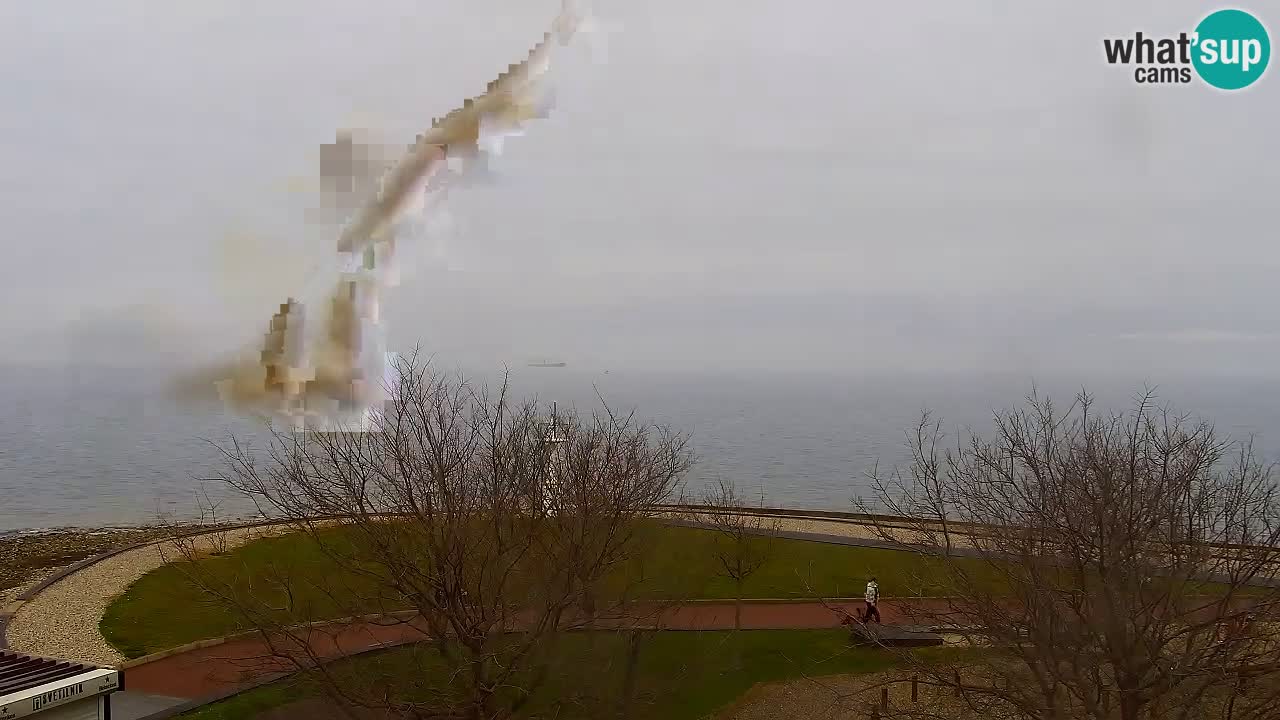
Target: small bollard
x: 884, y: 699
x: 915, y: 688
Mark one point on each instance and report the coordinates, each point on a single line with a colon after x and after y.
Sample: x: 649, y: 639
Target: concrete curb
x: 26, y: 596
x: 894, y: 522
x: 11, y: 610
x: 180, y: 649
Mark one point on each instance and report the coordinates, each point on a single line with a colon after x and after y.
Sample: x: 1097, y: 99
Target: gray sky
x: 808, y: 184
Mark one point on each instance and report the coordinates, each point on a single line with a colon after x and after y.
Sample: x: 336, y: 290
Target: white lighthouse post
x: 552, y: 440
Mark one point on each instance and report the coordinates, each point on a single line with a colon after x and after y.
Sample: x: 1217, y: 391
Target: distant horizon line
x: 585, y: 369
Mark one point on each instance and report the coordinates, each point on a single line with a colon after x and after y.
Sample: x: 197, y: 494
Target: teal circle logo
x: 1232, y: 49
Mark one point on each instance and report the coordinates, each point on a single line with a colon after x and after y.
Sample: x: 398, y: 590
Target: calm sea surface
x: 92, y: 446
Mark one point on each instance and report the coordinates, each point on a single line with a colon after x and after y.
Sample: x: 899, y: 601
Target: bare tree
x: 457, y: 519
x: 1114, y: 566
x: 210, y: 516
x: 743, y: 540
x: 207, y: 533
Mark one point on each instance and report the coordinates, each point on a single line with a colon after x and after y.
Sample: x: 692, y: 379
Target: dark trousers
x: 871, y: 612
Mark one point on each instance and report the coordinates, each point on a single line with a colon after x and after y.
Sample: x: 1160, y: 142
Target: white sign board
x: 62, y: 692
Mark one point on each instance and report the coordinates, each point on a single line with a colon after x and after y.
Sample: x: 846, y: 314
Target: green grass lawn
x: 681, y: 674
x: 165, y: 608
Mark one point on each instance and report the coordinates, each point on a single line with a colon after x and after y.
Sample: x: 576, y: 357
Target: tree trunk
x: 1130, y: 704
x: 737, y: 605
x: 629, y: 679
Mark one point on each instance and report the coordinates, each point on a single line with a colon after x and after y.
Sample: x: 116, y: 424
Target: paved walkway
x: 246, y: 661
x: 129, y: 705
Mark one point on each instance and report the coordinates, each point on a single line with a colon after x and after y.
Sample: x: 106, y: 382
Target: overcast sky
x: 786, y: 185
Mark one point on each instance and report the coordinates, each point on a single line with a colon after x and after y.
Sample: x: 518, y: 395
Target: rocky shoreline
x: 27, y: 557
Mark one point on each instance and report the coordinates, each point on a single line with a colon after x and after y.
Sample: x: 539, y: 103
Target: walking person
x: 872, y: 597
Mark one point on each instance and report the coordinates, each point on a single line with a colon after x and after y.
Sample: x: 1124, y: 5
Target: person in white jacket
x: 872, y: 597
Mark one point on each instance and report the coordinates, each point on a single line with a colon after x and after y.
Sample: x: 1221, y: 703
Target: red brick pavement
x: 245, y: 661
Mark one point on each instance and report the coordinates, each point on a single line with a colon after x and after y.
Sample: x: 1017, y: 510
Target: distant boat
x: 546, y: 363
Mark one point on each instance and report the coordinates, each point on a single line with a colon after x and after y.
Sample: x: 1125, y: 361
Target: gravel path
x: 826, y: 527
x: 862, y: 531
x: 28, y: 557
x: 62, y: 621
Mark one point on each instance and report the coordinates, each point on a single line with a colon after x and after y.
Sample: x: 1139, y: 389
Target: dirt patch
x: 317, y: 709
x: 840, y: 697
